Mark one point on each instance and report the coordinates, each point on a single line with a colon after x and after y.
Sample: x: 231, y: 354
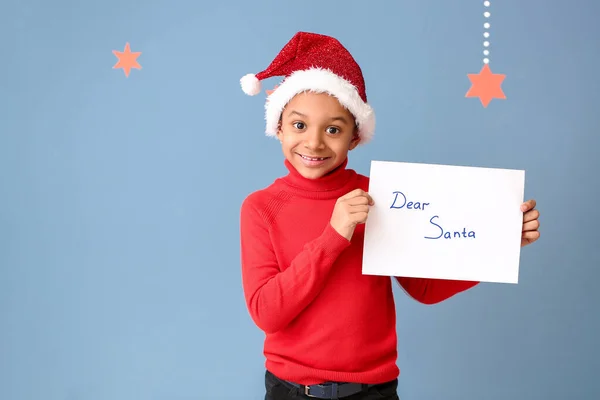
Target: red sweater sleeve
x: 275, y: 298
x: 432, y: 291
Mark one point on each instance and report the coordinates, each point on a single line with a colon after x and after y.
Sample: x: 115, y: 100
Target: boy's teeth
x: 313, y: 158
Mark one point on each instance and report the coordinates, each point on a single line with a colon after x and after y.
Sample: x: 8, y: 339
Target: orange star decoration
x: 271, y: 91
x: 486, y: 85
x: 127, y: 60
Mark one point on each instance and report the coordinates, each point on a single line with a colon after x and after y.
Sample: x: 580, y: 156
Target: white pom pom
x: 250, y: 84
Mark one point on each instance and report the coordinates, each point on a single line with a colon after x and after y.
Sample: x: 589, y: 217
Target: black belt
x: 331, y: 390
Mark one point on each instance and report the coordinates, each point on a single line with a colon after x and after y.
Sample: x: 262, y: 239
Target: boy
x: 330, y: 331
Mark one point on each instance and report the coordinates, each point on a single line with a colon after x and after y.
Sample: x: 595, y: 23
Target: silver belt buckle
x: 334, y: 389
x: 306, y: 390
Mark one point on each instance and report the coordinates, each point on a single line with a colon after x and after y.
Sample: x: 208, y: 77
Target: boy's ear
x: 355, y: 140
x: 280, y: 128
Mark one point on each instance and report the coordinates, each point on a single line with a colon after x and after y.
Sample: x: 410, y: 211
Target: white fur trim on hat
x: 319, y: 80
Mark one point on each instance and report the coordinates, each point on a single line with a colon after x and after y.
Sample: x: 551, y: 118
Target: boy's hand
x: 350, y: 210
x: 531, y: 224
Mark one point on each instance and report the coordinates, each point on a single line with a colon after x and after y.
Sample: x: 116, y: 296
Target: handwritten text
x: 400, y: 201
x: 410, y: 205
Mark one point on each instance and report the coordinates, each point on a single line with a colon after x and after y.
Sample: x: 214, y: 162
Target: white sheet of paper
x: 445, y: 222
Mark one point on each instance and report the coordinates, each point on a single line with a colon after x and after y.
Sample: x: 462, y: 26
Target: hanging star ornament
x: 127, y: 60
x: 486, y: 86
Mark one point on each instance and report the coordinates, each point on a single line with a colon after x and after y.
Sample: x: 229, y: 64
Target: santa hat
x: 320, y: 64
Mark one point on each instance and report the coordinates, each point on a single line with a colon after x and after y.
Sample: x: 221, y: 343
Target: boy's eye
x: 299, y: 125
x: 332, y: 130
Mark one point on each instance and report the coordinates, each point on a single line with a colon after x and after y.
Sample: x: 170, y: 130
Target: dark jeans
x: 278, y: 389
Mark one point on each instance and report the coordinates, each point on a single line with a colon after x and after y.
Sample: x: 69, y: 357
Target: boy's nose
x: 314, y: 141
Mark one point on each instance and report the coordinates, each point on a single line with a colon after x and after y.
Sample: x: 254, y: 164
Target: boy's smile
x: 313, y: 161
x: 316, y: 133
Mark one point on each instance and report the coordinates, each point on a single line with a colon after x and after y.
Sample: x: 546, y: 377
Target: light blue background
x: 119, y: 197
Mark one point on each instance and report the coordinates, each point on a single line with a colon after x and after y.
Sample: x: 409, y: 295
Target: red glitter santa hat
x: 320, y: 64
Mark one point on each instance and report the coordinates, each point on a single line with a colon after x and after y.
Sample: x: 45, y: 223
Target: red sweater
x: 303, y: 284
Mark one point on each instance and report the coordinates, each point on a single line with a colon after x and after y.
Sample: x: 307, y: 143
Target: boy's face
x: 316, y: 133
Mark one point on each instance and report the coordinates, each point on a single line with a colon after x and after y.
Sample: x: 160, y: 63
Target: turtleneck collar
x: 335, y: 184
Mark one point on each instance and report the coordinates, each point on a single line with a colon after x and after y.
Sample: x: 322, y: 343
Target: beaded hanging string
x: 486, y: 85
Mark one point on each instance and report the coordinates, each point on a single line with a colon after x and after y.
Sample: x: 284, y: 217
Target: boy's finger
x: 358, y: 200
x: 357, y: 193
x: 528, y: 205
x: 361, y: 199
x: 354, y: 193
x: 531, y: 226
x: 531, y: 235
x: 359, y: 208
x: 531, y: 215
